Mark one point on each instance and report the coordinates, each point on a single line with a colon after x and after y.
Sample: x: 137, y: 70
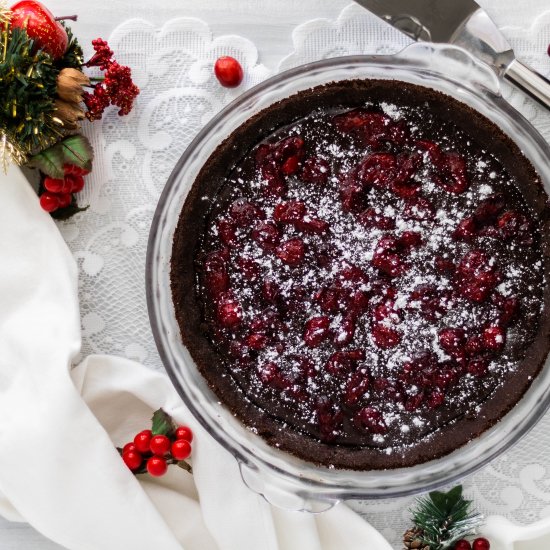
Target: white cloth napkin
x: 59, y: 469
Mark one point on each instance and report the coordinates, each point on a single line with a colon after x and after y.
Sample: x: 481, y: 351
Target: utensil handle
x: 531, y: 82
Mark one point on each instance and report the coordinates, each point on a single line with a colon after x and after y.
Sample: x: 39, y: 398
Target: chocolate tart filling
x: 359, y: 272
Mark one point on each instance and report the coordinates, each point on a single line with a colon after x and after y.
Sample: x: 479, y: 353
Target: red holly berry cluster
x: 478, y: 544
x: 58, y: 193
x: 152, y: 452
x: 117, y: 87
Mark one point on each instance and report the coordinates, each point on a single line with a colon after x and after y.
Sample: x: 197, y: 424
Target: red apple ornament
x: 40, y: 24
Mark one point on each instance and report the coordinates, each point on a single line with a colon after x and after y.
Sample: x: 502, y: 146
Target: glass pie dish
x: 281, y: 478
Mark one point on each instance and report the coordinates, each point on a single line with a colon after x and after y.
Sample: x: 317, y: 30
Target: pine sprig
x: 445, y: 518
x: 28, y: 80
x: 73, y: 56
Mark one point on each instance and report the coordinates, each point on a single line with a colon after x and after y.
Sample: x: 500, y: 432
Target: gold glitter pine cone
x: 413, y: 541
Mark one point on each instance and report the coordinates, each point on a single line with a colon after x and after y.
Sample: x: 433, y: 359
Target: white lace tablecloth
x: 171, y: 47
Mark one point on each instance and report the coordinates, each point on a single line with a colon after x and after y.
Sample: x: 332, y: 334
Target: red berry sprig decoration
x: 152, y: 451
x: 116, y: 88
x: 481, y: 543
x: 44, y: 96
x: 228, y: 71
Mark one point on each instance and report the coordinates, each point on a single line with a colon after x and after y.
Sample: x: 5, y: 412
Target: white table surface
x: 268, y: 24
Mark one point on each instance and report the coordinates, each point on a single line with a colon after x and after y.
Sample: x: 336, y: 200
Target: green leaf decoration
x: 78, y: 151
x: 68, y: 212
x: 162, y: 424
x: 75, y: 150
x: 445, y: 518
x: 50, y: 162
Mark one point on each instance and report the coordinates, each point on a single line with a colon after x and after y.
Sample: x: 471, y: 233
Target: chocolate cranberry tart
x: 360, y: 274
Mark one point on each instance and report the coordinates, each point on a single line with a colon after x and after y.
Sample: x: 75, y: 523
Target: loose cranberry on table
x: 228, y: 71
x: 462, y: 545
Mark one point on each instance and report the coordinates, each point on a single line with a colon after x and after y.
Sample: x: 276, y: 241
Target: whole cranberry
x: 462, y: 545
x: 228, y: 71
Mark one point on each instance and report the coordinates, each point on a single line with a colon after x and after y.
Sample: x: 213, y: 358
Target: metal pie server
x: 465, y: 24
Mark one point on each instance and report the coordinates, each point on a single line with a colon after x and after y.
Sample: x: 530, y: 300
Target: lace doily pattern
x: 136, y: 154
x: 134, y: 157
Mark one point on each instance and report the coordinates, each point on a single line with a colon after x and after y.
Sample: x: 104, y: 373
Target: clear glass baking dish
x: 282, y: 478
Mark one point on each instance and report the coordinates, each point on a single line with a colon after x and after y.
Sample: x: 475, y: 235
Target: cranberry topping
x: 385, y: 337
x: 329, y: 418
x: 216, y: 279
x: 227, y: 232
x: 249, y: 268
x: 330, y: 272
x: 476, y: 277
x: 343, y: 335
x: 289, y: 212
x: 229, y: 311
x: 516, y: 226
x: 356, y: 387
x: 315, y: 170
x: 343, y: 362
x: 244, y: 213
x: 418, y: 208
x: 257, y: 341
x: 370, y: 420
x: 371, y: 218
x: 316, y: 330
x: 266, y: 235
x: 291, y: 252
x: 312, y: 225
x: 494, y: 338
x: 452, y: 339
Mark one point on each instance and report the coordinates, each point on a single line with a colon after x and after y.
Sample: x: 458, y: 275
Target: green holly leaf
x: 163, y: 424
x: 50, y: 162
x: 77, y: 150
